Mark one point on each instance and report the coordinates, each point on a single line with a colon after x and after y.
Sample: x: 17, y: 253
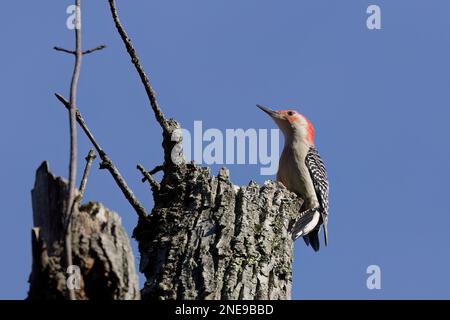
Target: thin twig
x: 73, y: 140
x: 100, y: 47
x: 81, y: 122
x: 148, y: 177
x: 64, y: 50
x: 89, y: 159
x: 156, y: 169
x: 108, y: 164
x: 153, y: 171
x: 135, y: 60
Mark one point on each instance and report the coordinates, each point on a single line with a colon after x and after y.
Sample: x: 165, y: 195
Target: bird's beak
x: 270, y: 112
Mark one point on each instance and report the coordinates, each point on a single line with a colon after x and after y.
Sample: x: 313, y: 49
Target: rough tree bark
x: 100, y: 246
x: 209, y: 239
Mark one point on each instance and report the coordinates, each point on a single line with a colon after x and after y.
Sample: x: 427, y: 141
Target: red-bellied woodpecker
x: 302, y: 171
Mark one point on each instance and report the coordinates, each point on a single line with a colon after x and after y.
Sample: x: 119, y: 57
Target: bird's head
x: 292, y: 124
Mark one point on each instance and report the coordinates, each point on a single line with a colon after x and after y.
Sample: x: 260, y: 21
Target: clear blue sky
x: 379, y: 101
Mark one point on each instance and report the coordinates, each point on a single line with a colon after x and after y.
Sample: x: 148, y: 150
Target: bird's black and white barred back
x: 319, y: 177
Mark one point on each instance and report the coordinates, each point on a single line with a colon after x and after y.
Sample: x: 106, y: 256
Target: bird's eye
x: 290, y: 113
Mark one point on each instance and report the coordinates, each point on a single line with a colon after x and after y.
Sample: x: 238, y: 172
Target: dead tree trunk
x: 205, y: 238
x: 100, y: 246
x: 209, y: 239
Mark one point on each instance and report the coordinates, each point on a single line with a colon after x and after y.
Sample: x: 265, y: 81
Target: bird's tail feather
x: 312, y: 239
x: 304, y: 218
x: 305, y: 223
x: 325, y: 229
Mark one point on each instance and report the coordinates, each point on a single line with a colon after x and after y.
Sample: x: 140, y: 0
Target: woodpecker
x: 301, y: 170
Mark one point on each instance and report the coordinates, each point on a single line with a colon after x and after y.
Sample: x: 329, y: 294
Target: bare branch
x: 108, y: 164
x: 82, y: 124
x: 73, y: 141
x: 64, y: 50
x: 148, y: 177
x: 135, y: 60
x: 100, y: 47
x: 90, y: 157
x: 156, y: 169
x: 153, y: 171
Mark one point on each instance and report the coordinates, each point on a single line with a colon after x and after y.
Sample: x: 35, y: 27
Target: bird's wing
x: 319, y: 176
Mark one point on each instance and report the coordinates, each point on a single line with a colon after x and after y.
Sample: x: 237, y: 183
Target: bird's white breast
x: 294, y: 174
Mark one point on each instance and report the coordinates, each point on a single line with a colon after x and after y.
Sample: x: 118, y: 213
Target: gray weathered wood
x: 209, y: 239
x: 100, y: 246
